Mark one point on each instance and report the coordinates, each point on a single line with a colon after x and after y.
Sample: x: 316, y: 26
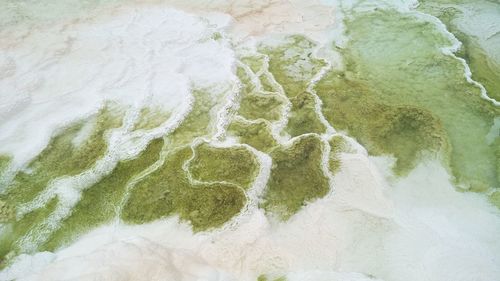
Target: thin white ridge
x: 253, y: 193
x: 69, y: 189
x: 451, y: 50
x: 253, y: 77
x: 185, y: 166
x: 279, y: 126
x: 137, y: 178
x: 318, y: 103
x: 224, y: 114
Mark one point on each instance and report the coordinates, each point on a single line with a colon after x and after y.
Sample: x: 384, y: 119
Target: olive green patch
x: 255, y: 104
x: 266, y: 106
x: 292, y: 64
x: 257, y: 135
x: 337, y: 145
x: 7, y: 212
x: 495, y: 198
x: 235, y: 165
x: 167, y: 191
x: 296, y: 177
x: 255, y: 63
x: 420, y: 94
x: 150, y: 118
x: 62, y: 158
x: 264, y: 277
x: 293, y: 67
x: 13, y: 230
x: 198, y: 121
x: 216, y: 36
x: 4, y: 162
x: 247, y: 86
x: 303, y: 118
x: 99, y: 203
x: 483, y: 68
x: 403, y: 131
x: 266, y: 83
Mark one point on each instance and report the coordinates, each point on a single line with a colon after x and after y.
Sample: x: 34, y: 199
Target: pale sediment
x: 223, y: 143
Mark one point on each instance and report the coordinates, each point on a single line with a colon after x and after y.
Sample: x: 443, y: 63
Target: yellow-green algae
x: 484, y: 69
x: 264, y: 277
x: 167, y: 191
x: 254, y: 105
x: 296, y: 177
x: 150, y: 118
x: 419, y: 102
x: 293, y: 66
x: 495, y: 198
x: 99, y: 203
x: 198, y: 121
x: 257, y: 66
x: 216, y: 36
x: 265, y: 106
x: 235, y: 165
x: 15, y: 229
x: 403, y: 131
x: 396, y: 60
x: 338, y: 144
x: 62, y: 158
x: 266, y: 83
x: 303, y: 118
x: 4, y: 162
x: 255, y: 63
x: 7, y: 212
x: 247, y: 86
x: 257, y: 135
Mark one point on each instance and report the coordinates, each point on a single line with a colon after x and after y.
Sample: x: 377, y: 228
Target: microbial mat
x: 250, y: 140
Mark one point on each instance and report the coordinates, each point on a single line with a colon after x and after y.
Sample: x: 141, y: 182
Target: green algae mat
x: 403, y: 91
